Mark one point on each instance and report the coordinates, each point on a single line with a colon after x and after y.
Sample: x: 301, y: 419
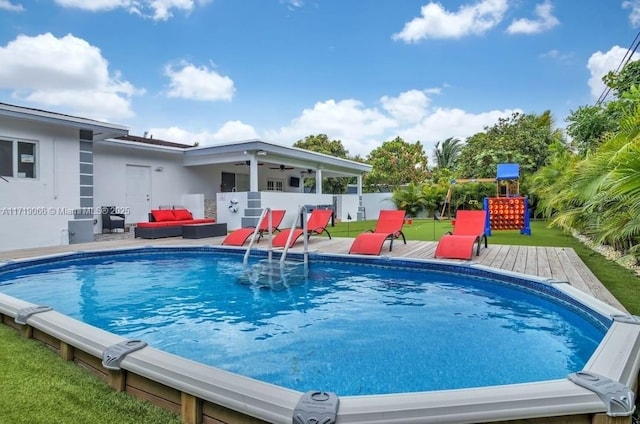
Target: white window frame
x: 15, y: 159
x: 274, y: 184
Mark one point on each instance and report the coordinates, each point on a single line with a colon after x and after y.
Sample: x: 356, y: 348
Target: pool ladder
x: 281, y: 271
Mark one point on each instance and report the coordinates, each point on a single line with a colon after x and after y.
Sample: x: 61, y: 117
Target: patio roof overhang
x: 274, y: 154
x: 100, y: 130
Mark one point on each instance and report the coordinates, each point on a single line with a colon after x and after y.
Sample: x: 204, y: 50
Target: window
x: 275, y: 185
x: 17, y: 159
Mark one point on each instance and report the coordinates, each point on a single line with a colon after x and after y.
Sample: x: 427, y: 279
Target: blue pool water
x: 350, y: 328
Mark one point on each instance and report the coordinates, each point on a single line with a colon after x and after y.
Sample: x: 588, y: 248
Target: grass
x: 38, y: 387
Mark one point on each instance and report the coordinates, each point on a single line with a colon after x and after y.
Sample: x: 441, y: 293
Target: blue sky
x: 363, y: 72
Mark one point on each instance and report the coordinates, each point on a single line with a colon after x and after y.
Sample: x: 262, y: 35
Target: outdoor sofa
x: 167, y: 223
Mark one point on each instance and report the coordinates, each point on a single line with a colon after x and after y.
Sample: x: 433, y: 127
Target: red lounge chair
x: 469, y: 230
x: 388, y: 227
x: 241, y: 235
x: 317, y: 224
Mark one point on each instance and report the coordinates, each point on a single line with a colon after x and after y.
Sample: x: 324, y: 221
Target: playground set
x: 508, y: 210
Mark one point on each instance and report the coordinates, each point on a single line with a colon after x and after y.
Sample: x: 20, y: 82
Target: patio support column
x: 253, y: 174
x: 319, y: 181
x: 359, y: 188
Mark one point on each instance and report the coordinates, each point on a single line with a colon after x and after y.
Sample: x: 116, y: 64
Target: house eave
x: 100, y: 130
x: 273, y: 153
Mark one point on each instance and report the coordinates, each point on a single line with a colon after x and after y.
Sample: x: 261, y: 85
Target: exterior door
x: 138, y: 192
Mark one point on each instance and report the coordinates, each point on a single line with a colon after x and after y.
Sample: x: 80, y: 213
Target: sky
x: 360, y: 71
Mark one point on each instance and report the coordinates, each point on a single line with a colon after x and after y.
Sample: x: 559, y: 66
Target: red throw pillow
x: 162, y: 215
x: 182, y: 214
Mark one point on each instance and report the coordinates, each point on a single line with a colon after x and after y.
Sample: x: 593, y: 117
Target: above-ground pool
x: 352, y: 326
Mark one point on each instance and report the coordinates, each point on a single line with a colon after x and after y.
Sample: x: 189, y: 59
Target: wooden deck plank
x: 542, y: 262
x: 554, y: 264
x: 531, y: 264
x: 596, y: 288
x: 572, y: 274
x: 520, y: 258
x: 501, y: 254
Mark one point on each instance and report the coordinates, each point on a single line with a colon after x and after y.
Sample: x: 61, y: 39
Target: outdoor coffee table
x: 209, y: 229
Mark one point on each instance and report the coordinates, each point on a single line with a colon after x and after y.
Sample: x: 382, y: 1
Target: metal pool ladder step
x: 274, y: 275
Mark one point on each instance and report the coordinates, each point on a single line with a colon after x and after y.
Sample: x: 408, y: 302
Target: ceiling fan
x: 247, y: 162
x: 282, y: 167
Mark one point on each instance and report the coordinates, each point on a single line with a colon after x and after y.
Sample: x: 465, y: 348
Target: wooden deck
x: 553, y: 262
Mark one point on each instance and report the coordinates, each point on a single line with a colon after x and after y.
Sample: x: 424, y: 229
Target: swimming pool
x: 475, y: 300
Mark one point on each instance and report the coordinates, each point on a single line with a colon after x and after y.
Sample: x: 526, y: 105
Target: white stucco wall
x: 290, y: 202
x: 347, y: 205
x: 233, y: 219
x: 35, y: 212
x: 374, y: 202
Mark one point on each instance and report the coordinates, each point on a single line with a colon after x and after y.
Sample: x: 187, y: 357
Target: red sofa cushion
x: 162, y: 215
x: 182, y: 214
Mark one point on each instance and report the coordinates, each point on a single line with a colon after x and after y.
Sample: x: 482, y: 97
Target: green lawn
x: 38, y: 387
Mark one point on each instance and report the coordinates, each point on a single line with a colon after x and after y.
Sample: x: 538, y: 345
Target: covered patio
x: 256, y: 174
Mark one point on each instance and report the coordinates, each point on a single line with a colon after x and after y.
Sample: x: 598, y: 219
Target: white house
x: 59, y: 171
x: 46, y: 164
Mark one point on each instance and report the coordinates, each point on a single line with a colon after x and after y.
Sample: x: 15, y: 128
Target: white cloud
x: 65, y: 72
x: 410, y: 106
x: 436, y: 22
x: 362, y: 129
x: 634, y: 15
x: 234, y: 131
x: 293, y: 3
x: 359, y: 128
x: 545, y: 21
x: 159, y: 10
x: 443, y: 123
x: 199, y: 83
x: 557, y: 55
x: 230, y: 131
x: 96, y: 5
x: 600, y: 64
x: 7, y: 5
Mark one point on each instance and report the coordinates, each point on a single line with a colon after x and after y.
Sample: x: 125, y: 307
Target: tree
x: 590, y: 125
x: 410, y: 199
x: 396, y: 163
x: 622, y: 81
x: 320, y: 143
x: 521, y: 138
x: 599, y: 194
x: 447, y: 154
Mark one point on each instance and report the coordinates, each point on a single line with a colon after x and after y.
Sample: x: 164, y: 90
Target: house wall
x: 374, y: 202
x: 35, y: 212
x: 346, y: 204
x: 170, y: 181
x: 290, y: 202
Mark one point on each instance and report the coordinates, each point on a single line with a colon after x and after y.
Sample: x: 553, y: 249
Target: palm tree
x: 599, y: 195
x: 410, y: 199
x: 447, y: 154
